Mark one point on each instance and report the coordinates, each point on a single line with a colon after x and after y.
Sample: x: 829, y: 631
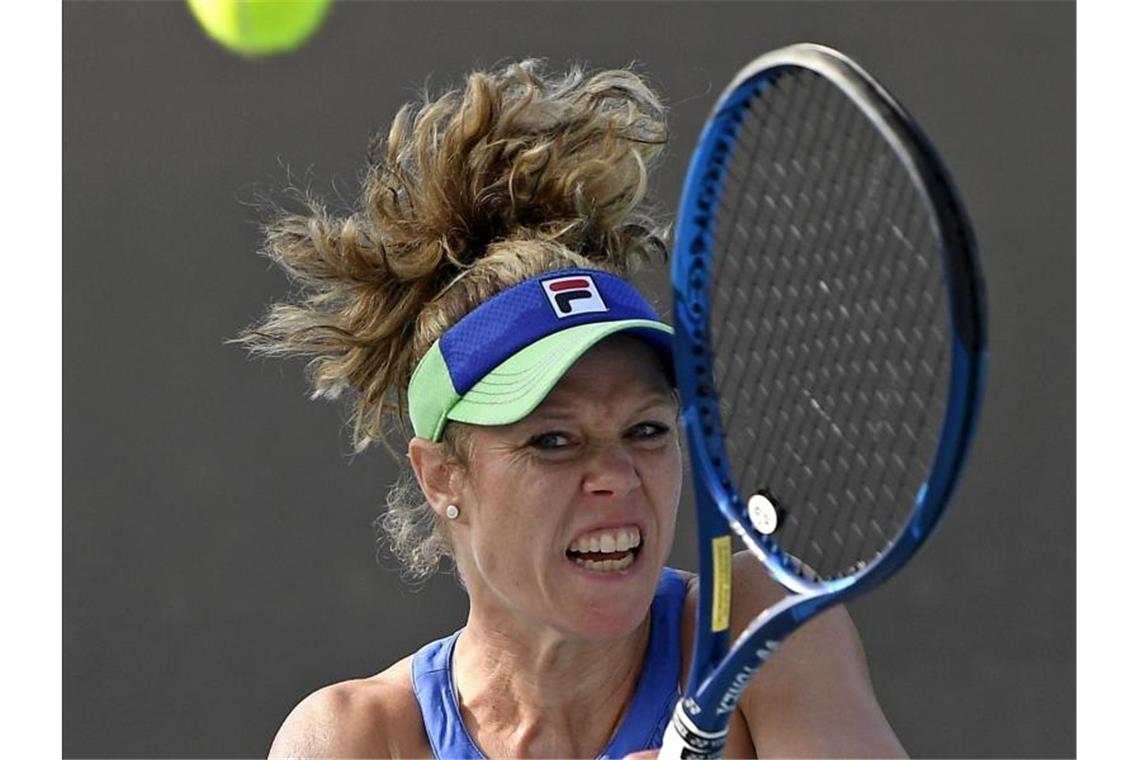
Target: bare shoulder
x: 366, y: 717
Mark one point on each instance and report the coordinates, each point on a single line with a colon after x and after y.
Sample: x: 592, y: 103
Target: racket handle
x: 684, y: 740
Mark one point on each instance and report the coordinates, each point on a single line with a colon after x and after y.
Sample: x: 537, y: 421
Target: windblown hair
x: 469, y: 193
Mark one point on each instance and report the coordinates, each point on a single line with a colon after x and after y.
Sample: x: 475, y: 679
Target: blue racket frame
x: 702, y: 715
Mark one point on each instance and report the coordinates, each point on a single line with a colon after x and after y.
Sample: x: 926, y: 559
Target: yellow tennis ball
x: 260, y: 27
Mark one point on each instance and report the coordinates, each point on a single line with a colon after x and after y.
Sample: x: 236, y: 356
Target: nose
x: 611, y: 472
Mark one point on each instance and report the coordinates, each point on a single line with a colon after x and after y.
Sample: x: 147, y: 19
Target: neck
x: 531, y: 693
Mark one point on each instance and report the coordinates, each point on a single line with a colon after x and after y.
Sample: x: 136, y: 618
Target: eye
x: 550, y: 441
x: 648, y: 431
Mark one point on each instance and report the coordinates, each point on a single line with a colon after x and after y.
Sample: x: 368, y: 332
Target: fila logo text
x: 573, y: 295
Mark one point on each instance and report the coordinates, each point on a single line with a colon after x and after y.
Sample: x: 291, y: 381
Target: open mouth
x: 606, y: 550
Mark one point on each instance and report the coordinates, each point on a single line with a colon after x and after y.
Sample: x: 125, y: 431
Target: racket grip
x: 684, y: 740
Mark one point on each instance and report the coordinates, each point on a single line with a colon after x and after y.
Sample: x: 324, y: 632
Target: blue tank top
x: 644, y: 723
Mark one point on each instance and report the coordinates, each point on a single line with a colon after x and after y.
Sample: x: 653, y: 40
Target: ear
x: 435, y: 474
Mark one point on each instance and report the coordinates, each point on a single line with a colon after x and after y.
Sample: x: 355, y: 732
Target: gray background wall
x: 218, y: 557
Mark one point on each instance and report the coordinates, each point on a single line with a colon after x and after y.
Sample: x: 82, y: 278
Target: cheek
x: 663, y: 475
x: 678, y: 467
x: 517, y: 507
x: 672, y: 486
x: 669, y: 469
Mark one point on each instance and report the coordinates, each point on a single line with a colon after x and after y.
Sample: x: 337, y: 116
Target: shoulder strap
x: 431, y: 682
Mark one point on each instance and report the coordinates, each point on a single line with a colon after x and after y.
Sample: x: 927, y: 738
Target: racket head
x: 841, y: 229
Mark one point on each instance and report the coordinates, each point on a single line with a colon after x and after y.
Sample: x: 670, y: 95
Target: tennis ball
x: 260, y: 27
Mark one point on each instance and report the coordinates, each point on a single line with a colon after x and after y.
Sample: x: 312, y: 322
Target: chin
x: 610, y: 605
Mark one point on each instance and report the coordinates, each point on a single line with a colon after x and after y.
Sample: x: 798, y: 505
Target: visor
x: 500, y: 361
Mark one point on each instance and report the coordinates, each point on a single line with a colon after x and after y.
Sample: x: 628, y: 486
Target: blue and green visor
x: 498, y: 363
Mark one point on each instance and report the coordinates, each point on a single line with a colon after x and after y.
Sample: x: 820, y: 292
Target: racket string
x: 860, y: 505
x: 842, y: 433
x: 745, y: 329
x: 780, y: 354
x: 867, y: 467
x: 746, y: 286
x: 783, y: 295
x: 873, y: 515
x: 788, y: 422
x: 932, y: 373
x: 789, y: 438
x: 733, y: 319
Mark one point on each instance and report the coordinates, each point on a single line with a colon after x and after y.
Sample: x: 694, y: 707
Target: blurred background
x: 219, y: 558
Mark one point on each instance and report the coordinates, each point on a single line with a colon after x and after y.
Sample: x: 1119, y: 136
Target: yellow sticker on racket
x: 722, y: 582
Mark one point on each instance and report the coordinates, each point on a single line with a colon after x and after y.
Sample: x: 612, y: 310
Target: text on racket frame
x: 741, y: 680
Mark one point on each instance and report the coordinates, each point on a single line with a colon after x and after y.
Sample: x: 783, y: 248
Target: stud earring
x: 452, y: 511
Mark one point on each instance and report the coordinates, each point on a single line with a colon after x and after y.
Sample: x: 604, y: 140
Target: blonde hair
x: 471, y: 192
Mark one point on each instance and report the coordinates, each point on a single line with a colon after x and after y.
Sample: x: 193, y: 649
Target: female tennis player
x: 479, y: 298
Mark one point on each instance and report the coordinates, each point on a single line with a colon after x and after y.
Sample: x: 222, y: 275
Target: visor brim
x: 516, y: 387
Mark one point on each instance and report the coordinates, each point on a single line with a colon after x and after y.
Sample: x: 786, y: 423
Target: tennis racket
x: 830, y: 349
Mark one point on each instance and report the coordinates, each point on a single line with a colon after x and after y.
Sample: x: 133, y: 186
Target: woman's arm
x: 813, y: 698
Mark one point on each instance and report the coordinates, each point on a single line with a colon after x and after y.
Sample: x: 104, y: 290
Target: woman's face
x: 568, y: 514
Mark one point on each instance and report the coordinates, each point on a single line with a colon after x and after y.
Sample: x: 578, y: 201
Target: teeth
x: 619, y: 540
x: 606, y: 565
